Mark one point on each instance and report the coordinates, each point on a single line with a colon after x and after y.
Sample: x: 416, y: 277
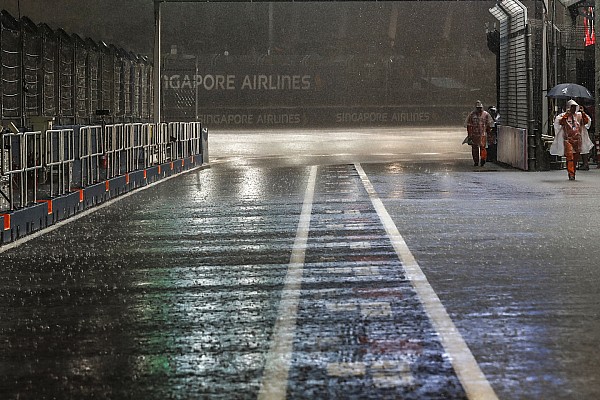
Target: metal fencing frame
x: 43, y: 164
x: 60, y: 155
x: 91, y: 148
x: 25, y: 160
x: 46, y: 72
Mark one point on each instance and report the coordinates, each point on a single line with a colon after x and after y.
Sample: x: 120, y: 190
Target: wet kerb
x: 361, y: 330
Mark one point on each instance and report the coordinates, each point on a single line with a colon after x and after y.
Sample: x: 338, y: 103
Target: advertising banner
x: 235, y: 94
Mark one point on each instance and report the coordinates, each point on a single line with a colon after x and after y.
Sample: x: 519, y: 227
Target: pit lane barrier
x: 48, y: 176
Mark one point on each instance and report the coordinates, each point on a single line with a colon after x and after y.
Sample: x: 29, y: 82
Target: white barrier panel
x: 512, y: 147
x: 59, y: 158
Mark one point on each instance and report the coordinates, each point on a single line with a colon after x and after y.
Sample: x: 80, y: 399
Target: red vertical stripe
x: 6, y: 222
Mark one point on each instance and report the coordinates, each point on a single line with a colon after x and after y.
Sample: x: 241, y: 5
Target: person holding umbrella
x: 568, y: 139
x: 567, y: 91
x: 479, y: 125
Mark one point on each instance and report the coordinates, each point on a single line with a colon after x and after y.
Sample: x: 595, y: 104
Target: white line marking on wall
x: 473, y: 380
x: 277, y: 366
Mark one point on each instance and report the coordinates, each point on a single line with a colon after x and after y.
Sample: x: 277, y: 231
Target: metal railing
x: 90, y: 152
x: 133, y: 146
x: 113, y: 146
x: 43, y: 165
x: 187, y: 135
x: 20, y: 165
x: 60, y: 155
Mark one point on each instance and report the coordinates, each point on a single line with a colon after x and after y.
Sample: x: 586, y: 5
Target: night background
x: 357, y: 53
x: 424, y: 27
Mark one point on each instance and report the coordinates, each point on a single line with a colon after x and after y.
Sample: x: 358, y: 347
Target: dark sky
x: 427, y: 26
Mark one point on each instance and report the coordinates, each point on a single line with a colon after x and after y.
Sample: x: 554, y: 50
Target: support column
x: 546, y: 126
x: 156, y: 61
x: 597, y: 71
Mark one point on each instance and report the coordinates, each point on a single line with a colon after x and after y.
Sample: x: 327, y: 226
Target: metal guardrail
x: 44, y: 165
x: 59, y: 158
x: 90, y: 150
x: 20, y: 165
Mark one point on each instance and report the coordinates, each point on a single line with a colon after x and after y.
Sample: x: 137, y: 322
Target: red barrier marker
x: 49, y: 203
x: 6, y: 221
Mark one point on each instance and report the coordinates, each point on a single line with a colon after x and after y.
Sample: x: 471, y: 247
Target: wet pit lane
x: 175, y: 292
x: 361, y: 330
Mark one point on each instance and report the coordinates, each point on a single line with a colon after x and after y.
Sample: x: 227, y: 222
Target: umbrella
x: 569, y: 91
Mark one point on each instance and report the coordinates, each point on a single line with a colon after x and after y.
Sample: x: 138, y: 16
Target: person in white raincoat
x: 568, y: 140
x: 586, y: 142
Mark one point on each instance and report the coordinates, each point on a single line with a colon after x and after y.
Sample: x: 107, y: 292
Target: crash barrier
x: 49, y: 73
x: 48, y: 176
x: 512, y: 147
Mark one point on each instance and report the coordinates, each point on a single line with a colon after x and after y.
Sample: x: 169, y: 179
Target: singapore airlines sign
x: 222, y: 82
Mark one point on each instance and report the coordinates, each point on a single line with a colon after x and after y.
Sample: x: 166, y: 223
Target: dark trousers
x: 478, y: 153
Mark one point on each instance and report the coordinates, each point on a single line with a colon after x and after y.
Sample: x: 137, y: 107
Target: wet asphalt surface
x: 173, y: 292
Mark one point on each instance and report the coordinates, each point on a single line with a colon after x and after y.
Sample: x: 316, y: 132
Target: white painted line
x: 367, y: 271
x: 335, y: 226
x: 341, y: 307
x: 337, y: 244
x: 340, y: 270
x: 388, y: 373
x: 360, y: 245
x: 346, y: 369
x: 277, y: 365
x: 474, y: 382
x: 352, y: 212
x: 346, y: 199
x: 375, y: 309
x: 89, y: 211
